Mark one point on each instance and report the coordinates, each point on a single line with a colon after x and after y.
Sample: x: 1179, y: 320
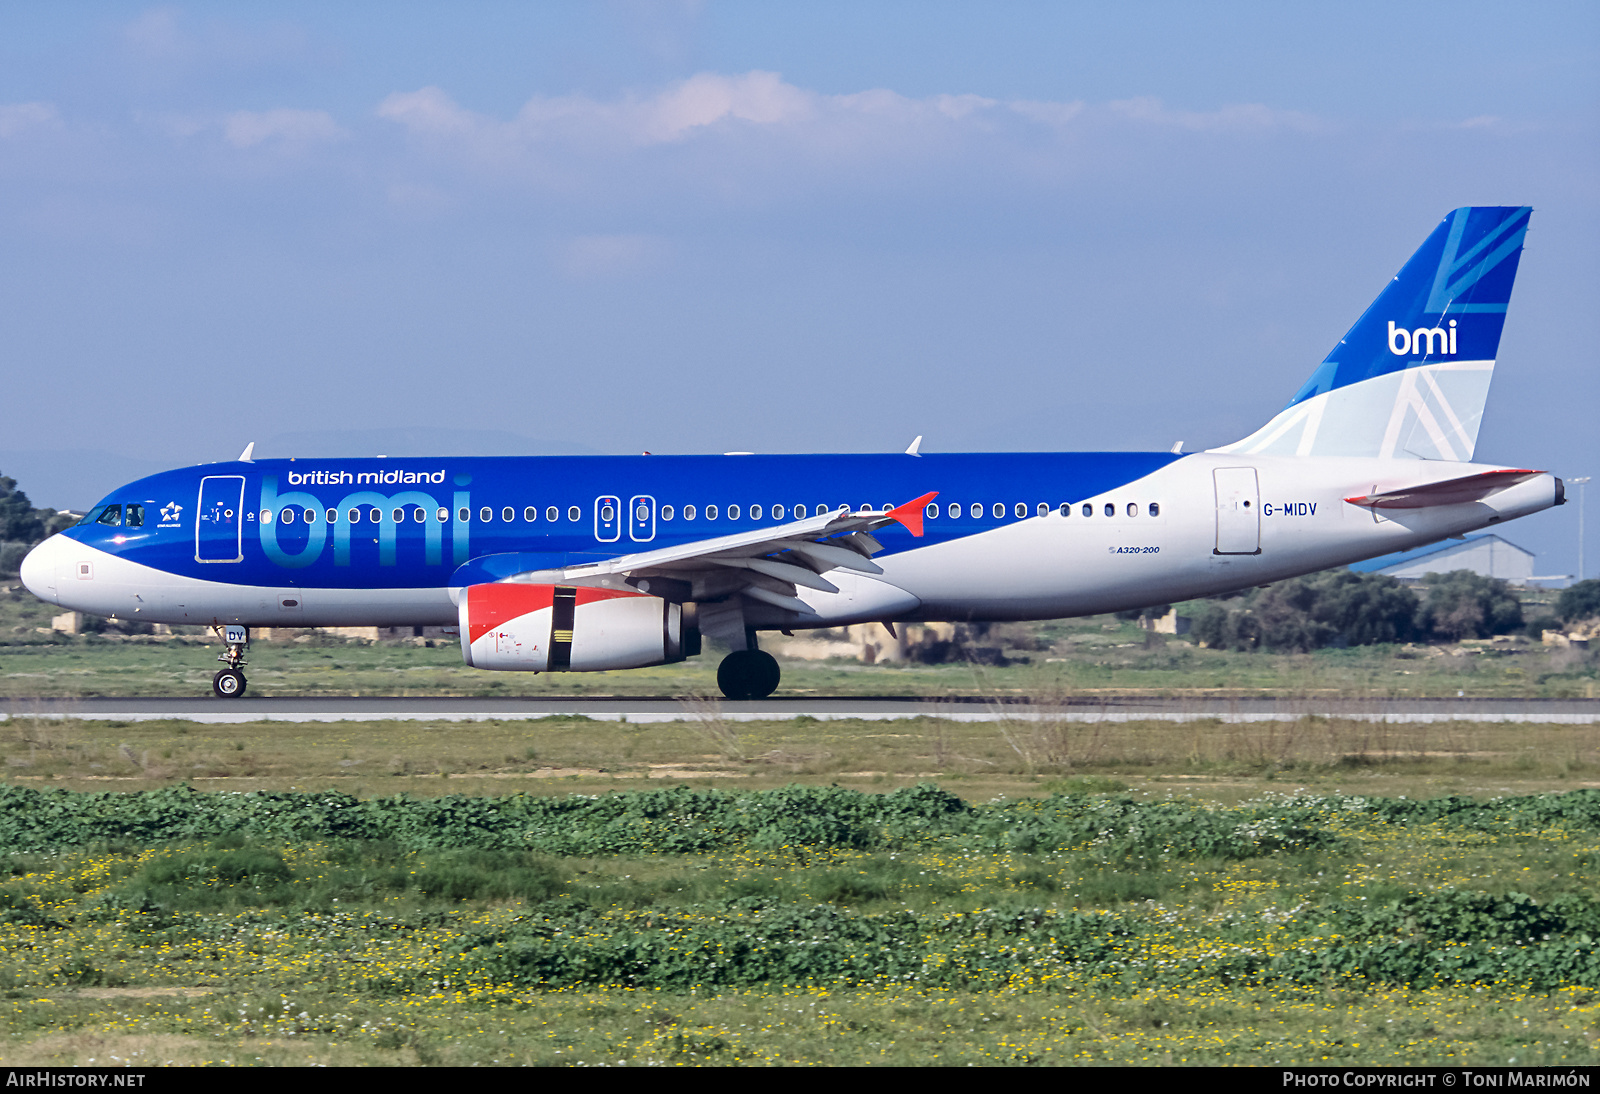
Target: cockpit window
x: 111, y: 516
x: 89, y: 518
x: 135, y: 516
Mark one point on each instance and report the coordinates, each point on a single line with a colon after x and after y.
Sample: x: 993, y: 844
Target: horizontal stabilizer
x: 1449, y: 492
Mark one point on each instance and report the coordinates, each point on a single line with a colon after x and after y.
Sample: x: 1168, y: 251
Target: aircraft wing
x: 1449, y: 492
x: 765, y: 564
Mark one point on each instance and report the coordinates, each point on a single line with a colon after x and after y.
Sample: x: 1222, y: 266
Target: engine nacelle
x: 567, y: 628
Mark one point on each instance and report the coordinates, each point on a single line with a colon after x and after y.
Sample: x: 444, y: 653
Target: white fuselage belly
x: 1039, y: 568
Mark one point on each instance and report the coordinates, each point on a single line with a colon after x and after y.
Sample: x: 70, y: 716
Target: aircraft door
x: 608, y: 519
x: 219, y: 519
x: 1238, y: 511
x: 642, y: 518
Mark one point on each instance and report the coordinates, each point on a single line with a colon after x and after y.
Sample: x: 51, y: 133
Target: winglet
x: 910, y: 514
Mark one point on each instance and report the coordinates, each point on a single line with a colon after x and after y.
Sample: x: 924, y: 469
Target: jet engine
x: 567, y: 628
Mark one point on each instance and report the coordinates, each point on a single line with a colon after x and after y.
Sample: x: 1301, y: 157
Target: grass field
x: 798, y: 926
x: 1095, y: 656
x: 565, y: 891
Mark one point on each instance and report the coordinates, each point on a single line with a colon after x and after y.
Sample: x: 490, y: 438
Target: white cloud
x: 18, y: 118
x: 430, y: 111
x: 248, y: 128
x: 591, y: 256
x: 873, y: 123
x: 1239, y: 117
x: 1047, y: 113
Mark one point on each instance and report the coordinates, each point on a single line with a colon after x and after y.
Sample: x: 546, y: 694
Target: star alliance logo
x: 170, y: 513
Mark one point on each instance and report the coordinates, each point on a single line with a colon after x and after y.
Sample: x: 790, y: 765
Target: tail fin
x: 1411, y: 378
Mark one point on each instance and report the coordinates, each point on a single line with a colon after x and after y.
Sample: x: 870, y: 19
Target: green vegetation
x: 1343, y: 608
x: 1084, y: 657
x: 22, y: 526
x: 797, y: 925
x: 1580, y: 601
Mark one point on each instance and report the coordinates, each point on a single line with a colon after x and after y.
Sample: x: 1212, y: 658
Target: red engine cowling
x: 566, y: 628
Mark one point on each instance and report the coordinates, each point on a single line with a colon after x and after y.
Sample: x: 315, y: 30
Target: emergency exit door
x: 1238, y: 511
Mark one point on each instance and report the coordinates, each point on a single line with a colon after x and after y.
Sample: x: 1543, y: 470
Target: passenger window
x: 530, y: 514
x: 1066, y: 509
x: 333, y: 516
x: 397, y: 515
x: 999, y: 509
x: 1020, y: 509
x: 688, y: 512
x: 354, y: 515
x: 286, y: 516
x: 821, y: 509
x: 552, y: 514
x: 443, y: 514
x: 755, y: 512
x: 112, y: 516
x: 135, y: 515
x: 486, y: 514
x: 508, y: 514
x: 667, y: 512
x: 419, y: 514
x: 711, y: 512
x: 800, y: 512
x: 953, y: 510
x: 932, y: 511
x: 976, y: 510
x: 463, y: 514
x: 311, y: 516
x: 1088, y: 510
x: 777, y: 512
x: 1133, y: 509
x: 733, y: 512
x: 266, y: 516
x: 1111, y: 510
x: 1155, y: 509
x: 574, y: 514
x: 1042, y: 509
x: 608, y: 513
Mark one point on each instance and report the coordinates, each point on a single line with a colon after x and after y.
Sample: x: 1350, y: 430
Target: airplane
x: 581, y: 564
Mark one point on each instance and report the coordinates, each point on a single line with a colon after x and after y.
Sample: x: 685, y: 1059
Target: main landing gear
x: 748, y: 674
x: 229, y: 683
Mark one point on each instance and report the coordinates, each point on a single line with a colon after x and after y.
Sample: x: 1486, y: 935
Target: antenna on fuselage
x: 916, y: 444
x: 249, y: 450
x: 1177, y: 449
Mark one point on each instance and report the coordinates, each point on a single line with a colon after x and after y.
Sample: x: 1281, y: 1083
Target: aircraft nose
x: 39, y: 569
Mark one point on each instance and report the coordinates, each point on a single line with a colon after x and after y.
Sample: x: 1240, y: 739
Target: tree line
x: 22, y: 526
x: 1344, y: 608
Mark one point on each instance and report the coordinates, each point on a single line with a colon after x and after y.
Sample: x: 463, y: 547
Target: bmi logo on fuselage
x: 1425, y: 340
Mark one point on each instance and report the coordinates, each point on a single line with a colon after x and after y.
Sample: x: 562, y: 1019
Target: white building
x: 1487, y: 555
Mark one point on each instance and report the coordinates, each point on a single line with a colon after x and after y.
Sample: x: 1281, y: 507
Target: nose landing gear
x: 229, y: 683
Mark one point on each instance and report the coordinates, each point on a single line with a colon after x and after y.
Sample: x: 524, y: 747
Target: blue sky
x: 779, y: 227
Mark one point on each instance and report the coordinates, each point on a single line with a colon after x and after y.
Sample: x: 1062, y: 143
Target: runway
x: 666, y: 709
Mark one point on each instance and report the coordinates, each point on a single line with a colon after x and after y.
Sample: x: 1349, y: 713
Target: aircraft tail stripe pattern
x: 1411, y: 378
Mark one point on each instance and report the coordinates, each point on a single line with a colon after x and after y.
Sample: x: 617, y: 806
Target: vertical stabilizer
x: 1411, y: 378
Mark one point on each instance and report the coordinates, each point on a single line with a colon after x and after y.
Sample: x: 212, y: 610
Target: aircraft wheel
x: 228, y: 684
x: 748, y: 674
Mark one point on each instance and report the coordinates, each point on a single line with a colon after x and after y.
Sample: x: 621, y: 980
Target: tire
x: 228, y: 684
x: 748, y: 674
